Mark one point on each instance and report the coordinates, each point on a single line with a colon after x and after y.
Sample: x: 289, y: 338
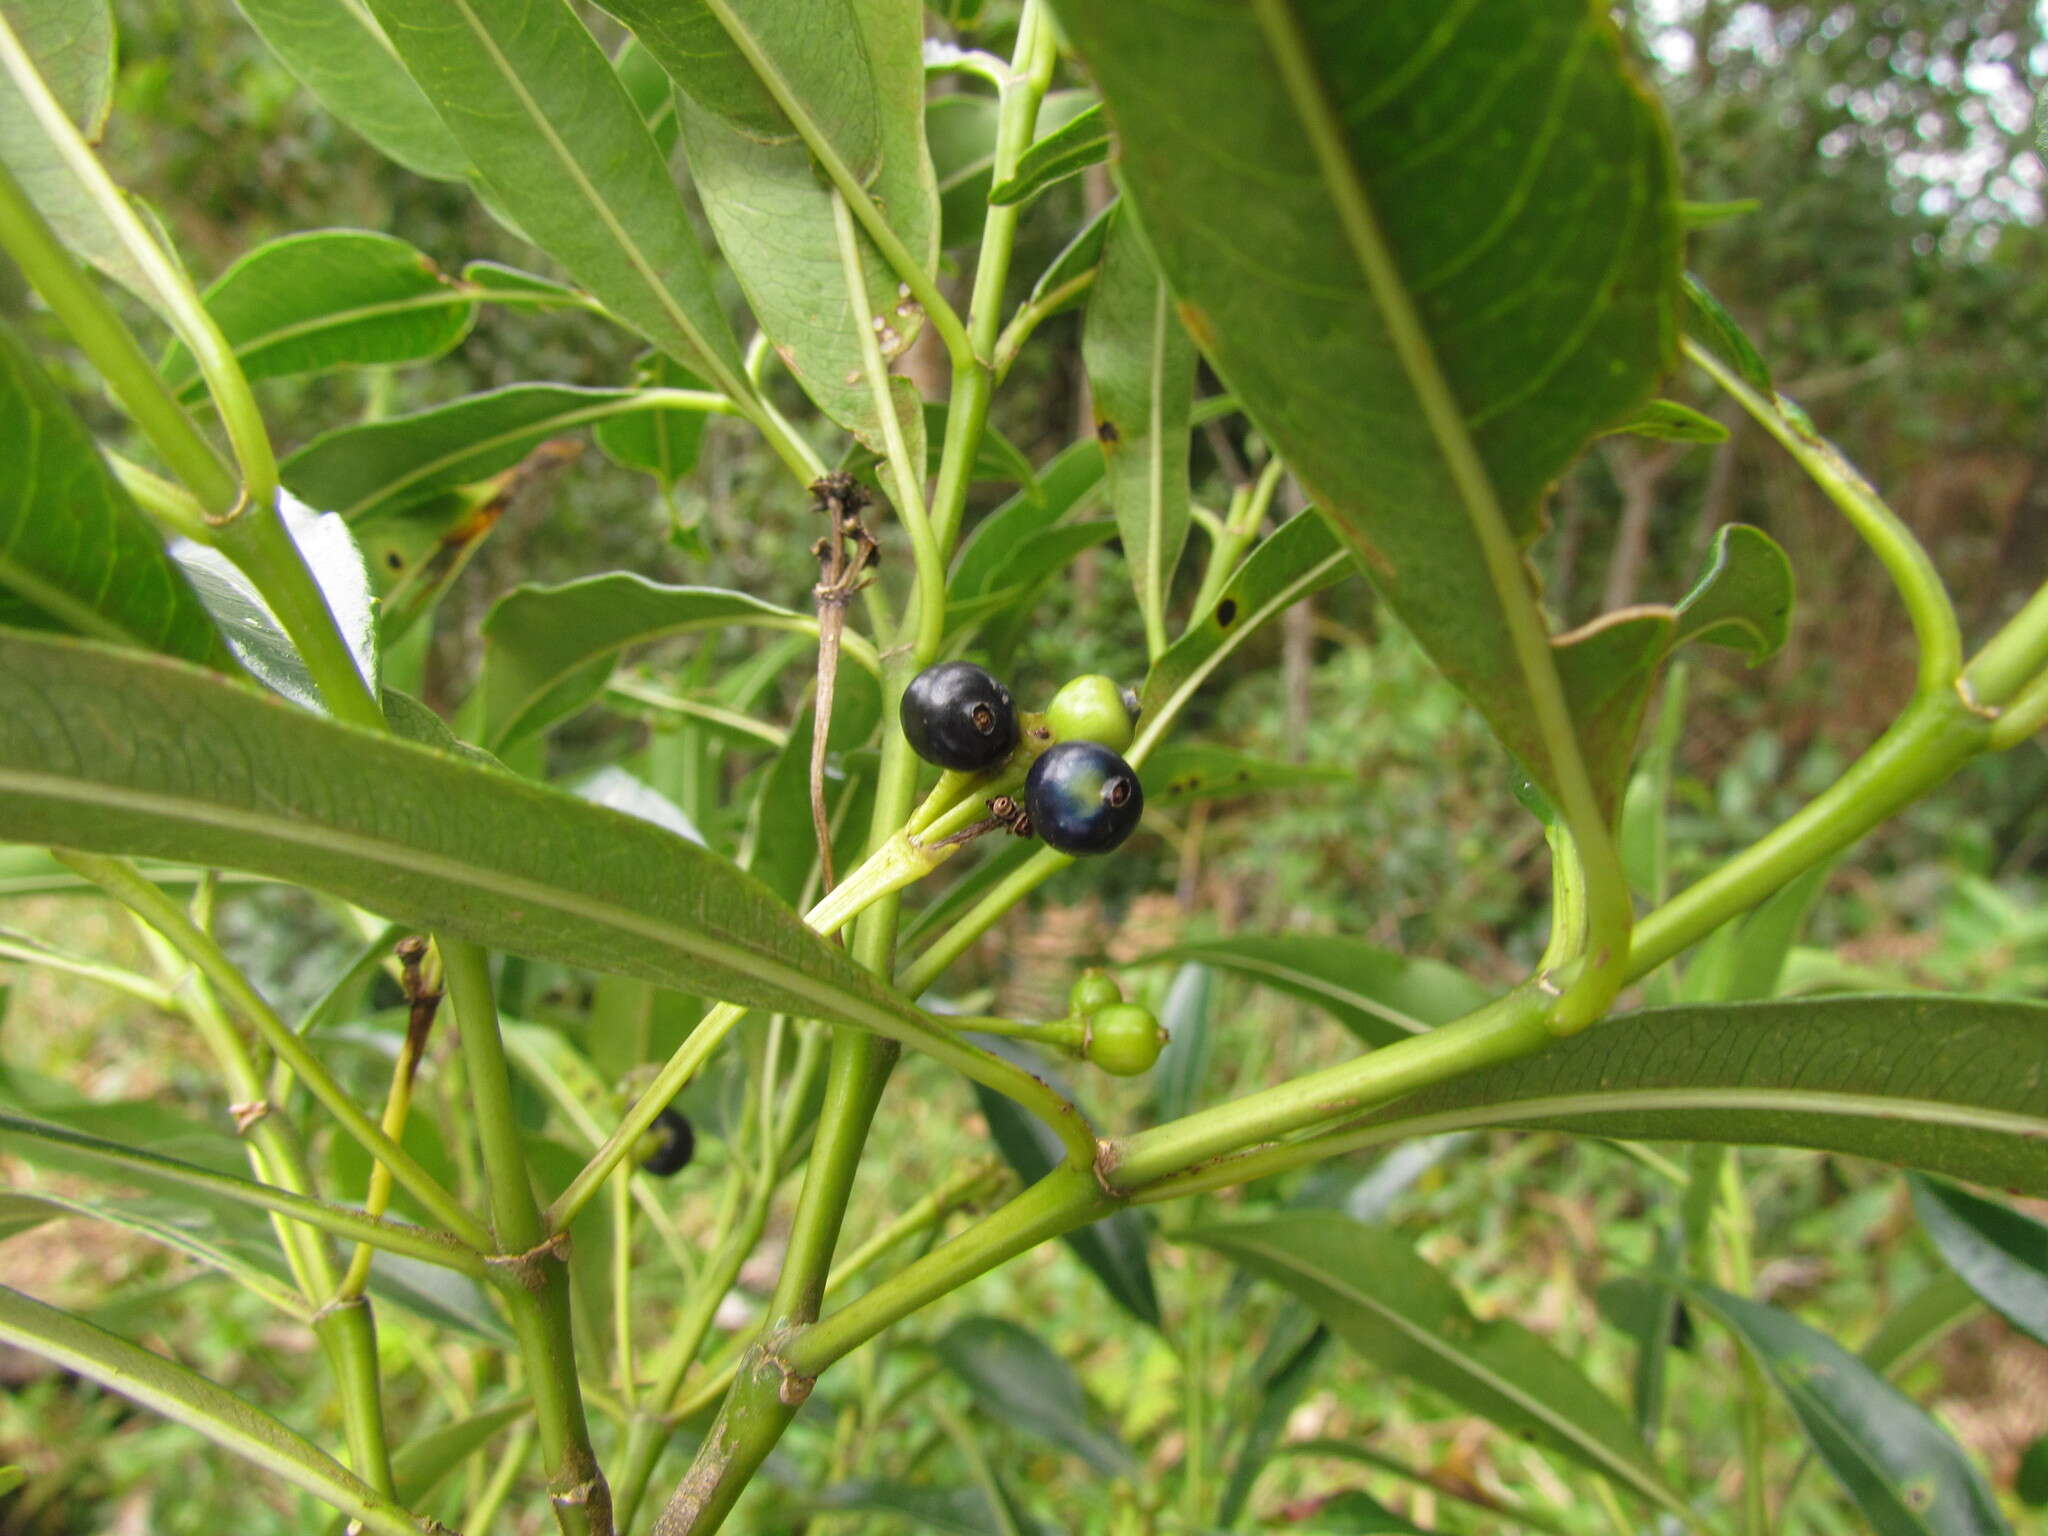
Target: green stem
x: 1756, y: 1388
x: 1609, y: 910
x: 170, y: 290
x: 916, y: 977
x: 111, y: 347
x: 1030, y: 315
x: 168, y: 502
x: 536, y: 1284
x: 2025, y: 714
x: 2013, y: 657
x: 1248, y: 510
x: 348, y: 1330
x: 154, y: 907
x: 483, y: 1514
x: 1927, y: 603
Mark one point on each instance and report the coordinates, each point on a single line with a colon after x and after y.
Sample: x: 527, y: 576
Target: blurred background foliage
x: 1894, y: 268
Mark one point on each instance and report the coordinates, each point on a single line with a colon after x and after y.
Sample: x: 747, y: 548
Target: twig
x: 842, y: 571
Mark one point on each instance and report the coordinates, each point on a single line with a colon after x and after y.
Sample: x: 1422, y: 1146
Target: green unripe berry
x: 1123, y: 1039
x: 1091, y: 708
x: 1094, y: 988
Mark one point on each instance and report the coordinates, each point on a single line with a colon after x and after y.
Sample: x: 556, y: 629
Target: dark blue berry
x: 956, y: 715
x: 1082, y: 797
x: 676, y: 1144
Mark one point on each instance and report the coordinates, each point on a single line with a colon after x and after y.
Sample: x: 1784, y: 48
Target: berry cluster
x: 1080, y: 796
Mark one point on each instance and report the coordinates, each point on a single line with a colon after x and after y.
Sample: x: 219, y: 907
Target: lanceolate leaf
x: 854, y: 73
x: 548, y: 651
x: 109, y: 753
x: 535, y: 104
x: 386, y: 465
x: 2002, y: 1254
x: 188, y: 1398
x: 1433, y: 251
x: 1067, y: 151
x: 1954, y: 1085
x: 73, y: 548
x: 1141, y: 371
x: 1185, y: 772
x: 334, y: 298
x: 1902, y: 1469
x: 1385, y: 1302
x: 1303, y: 556
x: 1670, y: 422
x: 342, y: 56
x: 1376, y: 994
x: 1021, y: 1384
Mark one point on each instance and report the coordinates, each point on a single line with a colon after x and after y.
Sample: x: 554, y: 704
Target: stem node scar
x: 846, y: 559
x: 247, y: 1113
x: 1972, y: 703
x: 527, y: 1270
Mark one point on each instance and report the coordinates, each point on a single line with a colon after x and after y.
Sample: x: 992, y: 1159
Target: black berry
x: 956, y: 715
x: 675, y: 1144
x: 1082, y: 797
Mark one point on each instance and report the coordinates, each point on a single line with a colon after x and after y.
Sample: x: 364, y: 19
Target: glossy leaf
x: 1715, y: 329
x: 548, y: 651
x: 1903, y: 1470
x: 665, y: 444
x: 109, y: 753
x: 1184, y: 772
x: 187, y: 1398
x: 73, y: 547
x: 335, y: 298
x: 1114, y: 1248
x: 1068, y: 150
x: 855, y: 75
x: 339, y: 54
x: 1952, y: 1085
x: 1178, y: 1078
x: 1032, y: 560
x: 254, y: 633
x: 1432, y: 253
x: 1668, y: 421
x: 1141, y: 376
x: 70, y: 45
x: 386, y: 465
x: 1301, y: 557
x: 533, y: 101
x: 1381, y: 1299
x: 2001, y: 1254
x: 1378, y: 995
x: 1021, y: 1384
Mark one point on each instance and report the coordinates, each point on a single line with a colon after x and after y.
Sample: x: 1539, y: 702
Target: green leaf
x: 1281, y: 1379
x: 532, y: 99
x: 11, y: 1478
x: 1703, y: 215
x: 1068, y: 150
x: 335, y: 298
x: 70, y: 43
x: 253, y: 631
x: 1022, y: 1385
x: 423, y: 1463
x: 1114, y: 1248
x: 1744, y: 601
x: 950, y: 1511
x: 548, y: 651
x: 1378, y: 995
x: 663, y: 443
x: 1954, y: 1085
x: 1141, y: 372
x: 2030, y: 1482
x: 1184, y: 772
x: 1032, y: 560
x: 1381, y: 1299
x: 1353, y: 1513
x: 996, y: 461
x: 1302, y: 556
x: 1431, y: 252
x: 1668, y: 421
x: 1902, y: 1469
x: 187, y: 1398
x: 73, y: 548
x: 652, y: 92
x: 1183, y: 1067
x: 855, y: 73
x: 782, y: 844
x: 2002, y: 1254
x: 1715, y: 329
x: 387, y: 465
x: 98, y: 751
x: 1082, y: 254
x: 962, y: 132
x: 342, y: 56
x: 1743, y: 959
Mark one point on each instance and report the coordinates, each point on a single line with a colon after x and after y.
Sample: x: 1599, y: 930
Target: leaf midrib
x: 1336, y: 992
x: 1635, y: 1476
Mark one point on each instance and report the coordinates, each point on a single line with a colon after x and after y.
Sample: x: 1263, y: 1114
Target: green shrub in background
x: 1428, y: 258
